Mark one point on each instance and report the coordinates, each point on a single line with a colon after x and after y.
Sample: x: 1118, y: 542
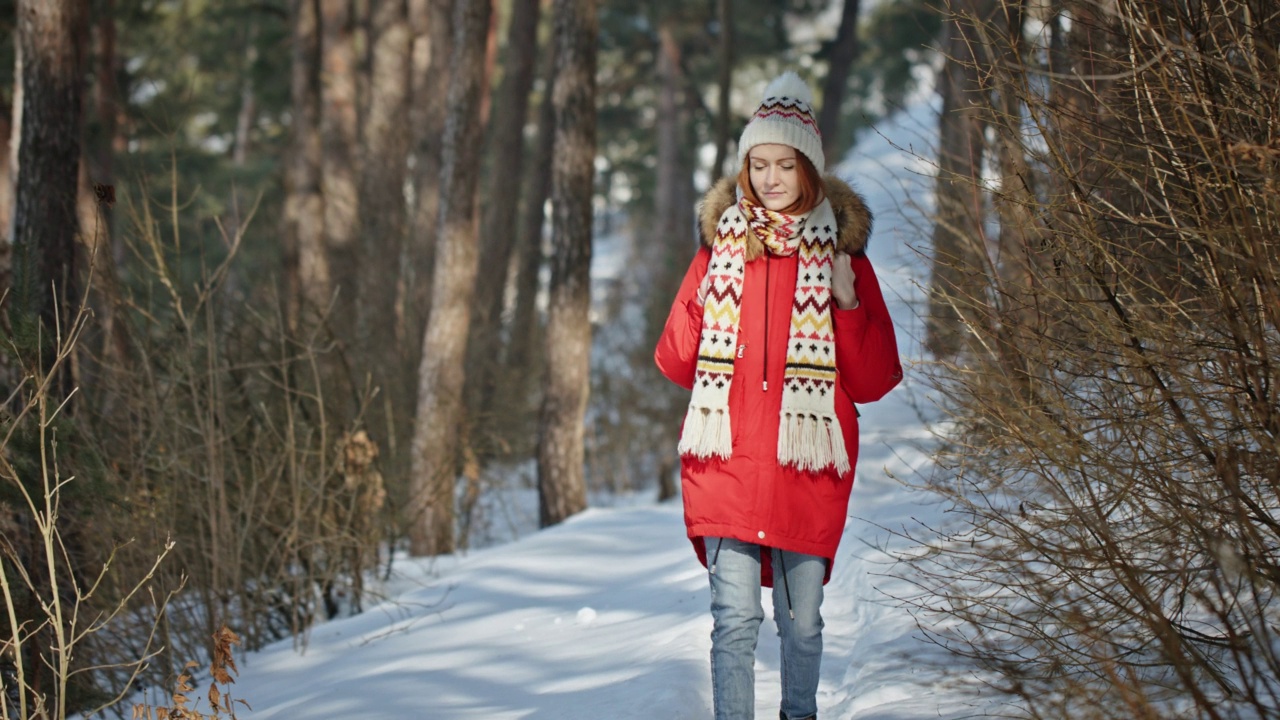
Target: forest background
x: 291, y: 285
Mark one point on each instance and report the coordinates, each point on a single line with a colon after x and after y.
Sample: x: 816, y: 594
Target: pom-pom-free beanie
x: 785, y: 116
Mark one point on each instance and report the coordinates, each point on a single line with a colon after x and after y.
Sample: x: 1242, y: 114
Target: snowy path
x: 605, y: 616
x: 561, y: 624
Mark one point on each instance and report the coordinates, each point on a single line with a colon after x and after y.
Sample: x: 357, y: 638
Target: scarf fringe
x: 811, y: 442
x: 706, y: 433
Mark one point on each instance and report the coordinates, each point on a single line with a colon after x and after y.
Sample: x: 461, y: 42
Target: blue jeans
x: 735, y: 608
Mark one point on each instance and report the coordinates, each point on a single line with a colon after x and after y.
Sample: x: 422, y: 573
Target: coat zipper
x: 765, y: 380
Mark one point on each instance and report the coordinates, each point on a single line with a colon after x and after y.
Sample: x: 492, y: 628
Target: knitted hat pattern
x: 785, y: 117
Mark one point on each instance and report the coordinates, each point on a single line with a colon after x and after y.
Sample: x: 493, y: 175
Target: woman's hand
x: 703, y: 288
x: 842, y: 277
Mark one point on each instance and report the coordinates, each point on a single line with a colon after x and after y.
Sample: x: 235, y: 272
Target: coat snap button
x: 760, y: 534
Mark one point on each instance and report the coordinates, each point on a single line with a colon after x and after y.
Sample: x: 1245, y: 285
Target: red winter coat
x: 750, y: 496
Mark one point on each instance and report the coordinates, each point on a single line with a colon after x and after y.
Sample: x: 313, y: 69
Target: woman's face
x: 774, y: 175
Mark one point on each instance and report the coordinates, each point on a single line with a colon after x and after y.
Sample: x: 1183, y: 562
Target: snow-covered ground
x: 605, y: 616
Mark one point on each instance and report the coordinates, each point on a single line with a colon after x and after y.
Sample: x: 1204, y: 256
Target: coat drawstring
x: 786, y: 585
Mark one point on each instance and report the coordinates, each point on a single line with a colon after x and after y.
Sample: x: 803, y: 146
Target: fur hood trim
x: 850, y: 209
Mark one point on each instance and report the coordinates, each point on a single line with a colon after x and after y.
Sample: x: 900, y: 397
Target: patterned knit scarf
x: 810, y: 436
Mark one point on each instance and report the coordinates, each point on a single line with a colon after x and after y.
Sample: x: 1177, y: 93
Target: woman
x: 778, y: 329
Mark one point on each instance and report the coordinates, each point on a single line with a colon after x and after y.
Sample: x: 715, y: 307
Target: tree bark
x: 248, y: 101
x: 306, y: 262
x: 668, y: 141
x: 498, y: 228
x: 339, y: 171
x: 50, y: 45
x: 241, y: 199
x: 843, y: 50
x: 561, y: 486
x: 724, y: 113
x: 1014, y: 200
x: 490, y: 64
x: 673, y: 245
x: 383, y: 220
x: 528, y: 261
x: 674, y: 197
x: 959, y: 240
x: 100, y: 163
x: 105, y: 346
x: 7, y: 111
x: 106, y: 98
x: 432, y: 25
x: 442, y: 374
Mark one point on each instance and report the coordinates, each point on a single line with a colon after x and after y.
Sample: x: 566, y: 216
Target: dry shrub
x: 203, y: 426
x: 221, y: 704
x: 62, y: 585
x: 1113, y: 464
x: 237, y: 433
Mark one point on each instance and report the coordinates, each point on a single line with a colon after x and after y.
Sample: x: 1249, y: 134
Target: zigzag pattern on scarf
x: 809, y: 434
x: 777, y: 231
x: 811, y: 354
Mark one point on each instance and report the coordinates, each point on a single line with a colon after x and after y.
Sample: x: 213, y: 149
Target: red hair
x: 809, y: 182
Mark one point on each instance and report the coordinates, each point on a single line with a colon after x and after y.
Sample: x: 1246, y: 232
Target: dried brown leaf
x: 222, y: 658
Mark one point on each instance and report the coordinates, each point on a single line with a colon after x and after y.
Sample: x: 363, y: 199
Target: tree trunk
x: 1018, y: 242
x: 959, y: 240
x: 241, y: 200
x: 50, y: 46
x: 442, y: 373
x: 248, y: 102
x: 7, y: 111
x: 724, y: 112
x: 1014, y: 200
x: 100, y: 162
x: 528, y: 261
x: 306, y: 263
x: 432, y: 25
x: 498, y: 229
x: 668, y: 257
x: 669, y: 126
x: 383, y: 220
x: 490, y: 64
x: 106, y: 99
x: 667, y: 474
x: 675, y: 197
x: 561, y: 486
x: 843, y: 50
x: 339, y: 173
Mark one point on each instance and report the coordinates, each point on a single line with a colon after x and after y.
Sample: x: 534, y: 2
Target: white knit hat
x: 785, y: 117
